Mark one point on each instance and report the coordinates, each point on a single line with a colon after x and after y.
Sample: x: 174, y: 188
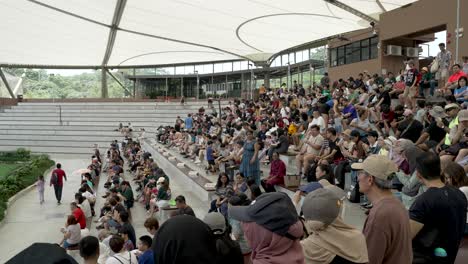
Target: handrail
x: 60, y: 114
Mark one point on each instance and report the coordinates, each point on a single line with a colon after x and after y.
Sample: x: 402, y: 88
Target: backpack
x: 418, y: 78
x: 54, y: 178
x: 353, y: 193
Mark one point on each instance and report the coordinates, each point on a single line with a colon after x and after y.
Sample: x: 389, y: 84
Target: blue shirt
x: 188, y: 123
x: 146, y: 257
x: 350, y: 109
x: 209, y: 153
x: 459, y: 91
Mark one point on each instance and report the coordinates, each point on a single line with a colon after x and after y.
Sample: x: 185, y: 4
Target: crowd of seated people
x: 331, y: 128
x: 372, y: 139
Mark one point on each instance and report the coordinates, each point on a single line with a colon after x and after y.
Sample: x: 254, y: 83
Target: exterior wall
x: 425, y: 15
x: 353, y: 69
x: 422, y: 19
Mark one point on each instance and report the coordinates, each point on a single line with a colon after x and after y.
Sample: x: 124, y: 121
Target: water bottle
x: 440, y: 252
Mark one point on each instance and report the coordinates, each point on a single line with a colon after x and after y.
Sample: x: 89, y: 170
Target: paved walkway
x: 28, y: 221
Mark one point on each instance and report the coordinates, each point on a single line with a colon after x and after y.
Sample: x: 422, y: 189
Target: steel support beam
x: 7, y: 85
x: 118, y: 81
x: 119, y: 8
x: 351, y: 10
x: 381, y: 6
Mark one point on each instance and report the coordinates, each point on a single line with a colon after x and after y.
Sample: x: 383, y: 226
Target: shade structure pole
x: 457, y: 36
x: 167, y: 88
x: 181, y: 87
x: 104, y: 91
x: 118, y: 81
x: 198, y: 86
x: 7, y: 85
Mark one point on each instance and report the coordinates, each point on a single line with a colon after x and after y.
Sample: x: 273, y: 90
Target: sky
x: 432, y: 47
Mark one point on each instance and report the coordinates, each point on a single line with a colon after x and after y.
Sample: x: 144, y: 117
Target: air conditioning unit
x: 394, y: 50
x: 412, y: 52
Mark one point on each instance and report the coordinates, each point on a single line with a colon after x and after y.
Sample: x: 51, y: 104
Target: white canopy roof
x: 155, y: 32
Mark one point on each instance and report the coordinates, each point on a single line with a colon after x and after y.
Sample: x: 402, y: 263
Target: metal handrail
x: 60, y: 114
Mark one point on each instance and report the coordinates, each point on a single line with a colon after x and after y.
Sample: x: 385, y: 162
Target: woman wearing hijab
x: 184, y: 239
x: 330, y: 240
x: 272, y: 228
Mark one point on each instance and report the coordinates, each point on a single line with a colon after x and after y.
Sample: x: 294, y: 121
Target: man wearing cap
x: 438, y: 216
x: 426, y: 82
x: 452, y: 135
x: 409, y: 128
x: 330, y: 240
x: 434, y: 133
x: 387, y: 228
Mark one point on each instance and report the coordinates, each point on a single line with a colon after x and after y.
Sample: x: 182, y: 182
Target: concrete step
x: 111, y: 124
x: 52, y: 136
x: 106, y: 130
x: 113, y: 107
x: 126, y: 114
x: 115, y: 119
x: 53, y: 143
x: 88, y: 151
x: 50, y: 132
x: 172, y: 103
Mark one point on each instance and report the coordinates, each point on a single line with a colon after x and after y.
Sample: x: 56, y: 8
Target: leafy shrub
x: 22, y: 177
x: 20, y: 154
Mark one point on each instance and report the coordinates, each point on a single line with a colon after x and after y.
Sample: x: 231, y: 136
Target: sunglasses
x: 448, y: 110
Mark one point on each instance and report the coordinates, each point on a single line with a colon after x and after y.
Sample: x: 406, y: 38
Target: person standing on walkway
x: 250, y: 165
x: 57, y: 180
x: 40, y: 188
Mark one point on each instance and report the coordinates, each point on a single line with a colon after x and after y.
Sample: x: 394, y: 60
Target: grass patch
x: 15, y: 176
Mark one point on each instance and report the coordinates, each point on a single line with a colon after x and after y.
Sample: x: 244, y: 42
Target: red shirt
x: 80, y: 217
x: 389, y: 116
x: 454, y: 77
x: 60, y: 174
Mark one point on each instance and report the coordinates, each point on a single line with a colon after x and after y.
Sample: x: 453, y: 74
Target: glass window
x: 189, y: 69
x: 277, y: 61
x: 165, y: 71
x: 292, y: 58
x: 348, y: 52
x: 305, y: 55
x: 355, y: 52
x: 244, y: 65
x: 236, y: 66
x: 204, y: 68
x: 333, y: 57
x: 284, y: 60
x: 218, y: 67
x: 252, y: 65
x: 341, y: 55
x: 180, y: 70
x: 227, y: 67
x: 373, y: 47
x: 299, y: 57
x: 365, y: 49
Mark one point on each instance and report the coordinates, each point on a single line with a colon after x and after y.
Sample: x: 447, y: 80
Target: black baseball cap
x: 273, y: 211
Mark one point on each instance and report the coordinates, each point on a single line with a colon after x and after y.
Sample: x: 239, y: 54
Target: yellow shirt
x: 262, y: 90
x: 453, y: 126
x: 292, y: 129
